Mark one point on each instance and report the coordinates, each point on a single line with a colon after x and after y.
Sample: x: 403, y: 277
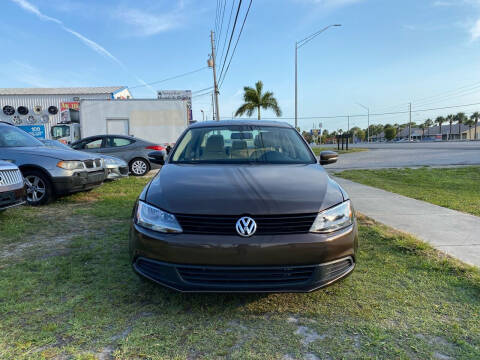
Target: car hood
x: 244, y: 189
x: 52, y: 152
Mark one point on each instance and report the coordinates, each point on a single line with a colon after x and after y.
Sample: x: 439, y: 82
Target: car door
x: 93, y: 144
x: 120, y: 147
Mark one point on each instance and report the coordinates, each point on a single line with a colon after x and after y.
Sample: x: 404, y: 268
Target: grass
x: 79, y: 299
x: 454, y: 188
x: 317, y: 150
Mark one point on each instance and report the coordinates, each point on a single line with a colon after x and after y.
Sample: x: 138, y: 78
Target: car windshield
x: 60, y: 131
x: 10, y: 136
x: 233, y: 144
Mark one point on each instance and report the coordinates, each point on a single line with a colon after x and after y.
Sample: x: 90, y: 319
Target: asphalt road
x: 391, y: 155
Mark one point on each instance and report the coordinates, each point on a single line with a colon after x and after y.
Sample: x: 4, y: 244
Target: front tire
x: 39, y: 188
x: 139, y: 167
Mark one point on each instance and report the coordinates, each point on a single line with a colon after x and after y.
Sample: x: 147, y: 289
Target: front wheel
x: 39, y: 188
x: 139, y: 167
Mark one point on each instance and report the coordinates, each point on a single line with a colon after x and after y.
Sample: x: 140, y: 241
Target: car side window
x: 93, y: 144
x: 78, y: 146
x: 118, y: 142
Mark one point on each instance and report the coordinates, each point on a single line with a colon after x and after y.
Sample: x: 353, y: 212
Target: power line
x: 222, y: 17
x: 236, y: 43
x: 226, y: 33
x: 372, y: 114
x: 231, y: 36
x: 170, y: 78
x: 201, y: 90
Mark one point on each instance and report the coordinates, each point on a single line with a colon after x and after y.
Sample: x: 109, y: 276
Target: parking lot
x: 390, y: 155
x: 67, y: 290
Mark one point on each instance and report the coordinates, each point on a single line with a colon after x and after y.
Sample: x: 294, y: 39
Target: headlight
x: 70, y: 165
x: 333, y: 219
x: 157, y: 220
x: 118, y: 162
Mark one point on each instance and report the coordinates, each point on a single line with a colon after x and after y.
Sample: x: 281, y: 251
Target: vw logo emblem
x: 246, y: 226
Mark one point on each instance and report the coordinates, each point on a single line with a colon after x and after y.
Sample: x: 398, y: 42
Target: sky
x: 385, y: 55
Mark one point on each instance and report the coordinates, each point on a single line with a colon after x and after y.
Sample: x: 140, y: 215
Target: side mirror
x: 328, y: 157
x: 157, y: 157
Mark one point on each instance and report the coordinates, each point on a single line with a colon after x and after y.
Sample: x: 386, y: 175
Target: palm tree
x: 256, y: 99
x: 475, y: 116
x: 460, y: 118
x: 450, y: 118
x: 469, y: 122
x: 428, y: 123
x: 422, y: 127
x: 440, y: 120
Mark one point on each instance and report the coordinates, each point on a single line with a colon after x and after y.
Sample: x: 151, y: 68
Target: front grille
x: 336, y: 269
x: 89, y: 164
x: 266, y: 224
x: 246, y: 275
x: 10, y: 177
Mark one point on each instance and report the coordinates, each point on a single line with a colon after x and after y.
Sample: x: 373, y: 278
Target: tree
x: 307, y: 136
x: 475, y: 116
x: 460, y: 118
x: 390, y: 133
x: 469, y: 122
x: 255, y: 99
x: 428, y: 123
x: 361, y: 135
x: 422, y: 127
x: 440, y: 120
x: 450, y: 119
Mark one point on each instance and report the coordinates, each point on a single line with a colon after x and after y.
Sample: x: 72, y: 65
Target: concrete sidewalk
x: 450, y: 231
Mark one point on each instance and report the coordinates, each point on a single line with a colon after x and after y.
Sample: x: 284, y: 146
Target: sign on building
x: 37, y: 131
x: 185, y: 95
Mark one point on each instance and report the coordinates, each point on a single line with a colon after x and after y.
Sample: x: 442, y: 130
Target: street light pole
x: 298, y: 45
x: 368, y: 121
x: 203, y: 115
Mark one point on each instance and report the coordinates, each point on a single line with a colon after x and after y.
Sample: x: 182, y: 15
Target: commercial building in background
x: 37, y: 110
x: 154, y: 120
x: 185, y: 95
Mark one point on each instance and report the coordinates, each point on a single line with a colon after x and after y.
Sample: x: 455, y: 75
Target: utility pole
x: 368, y: 121
x: 213, y: 109
x: 410, y: 122
x: 215, y: 85
x: 298, y: 45
x: 296, y: 89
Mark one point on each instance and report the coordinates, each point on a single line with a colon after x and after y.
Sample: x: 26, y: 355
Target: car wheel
x: 39, y: 188
x: 139, y: 167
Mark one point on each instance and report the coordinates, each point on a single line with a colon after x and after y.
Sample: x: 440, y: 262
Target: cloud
x: 34, y: 10
x: 27, y: 6
x: 475, y: 30
x: 146, y: 23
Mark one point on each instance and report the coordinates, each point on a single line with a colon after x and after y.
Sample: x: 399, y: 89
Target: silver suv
x: 12, y: 188
x: 49, y: 172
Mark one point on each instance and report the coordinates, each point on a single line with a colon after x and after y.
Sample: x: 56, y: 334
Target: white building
x: 35, y: 110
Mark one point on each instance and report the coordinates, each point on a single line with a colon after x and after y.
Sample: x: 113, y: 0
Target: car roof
x: 107, y: 135
x: 242, y: 123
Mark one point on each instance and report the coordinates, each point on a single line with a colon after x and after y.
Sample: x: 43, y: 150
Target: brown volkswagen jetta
x: 243, y: 206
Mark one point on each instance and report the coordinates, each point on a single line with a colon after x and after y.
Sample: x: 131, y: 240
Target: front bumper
x: 117, y: 172
x: 78, y: 181
x: 214, y: 263
x: 12, y: 198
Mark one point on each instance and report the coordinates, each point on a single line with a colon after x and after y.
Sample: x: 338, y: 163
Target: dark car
x: 258, y: 215
x: 130, y: 149
x: 48, y: 171
x: 12, y: 188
